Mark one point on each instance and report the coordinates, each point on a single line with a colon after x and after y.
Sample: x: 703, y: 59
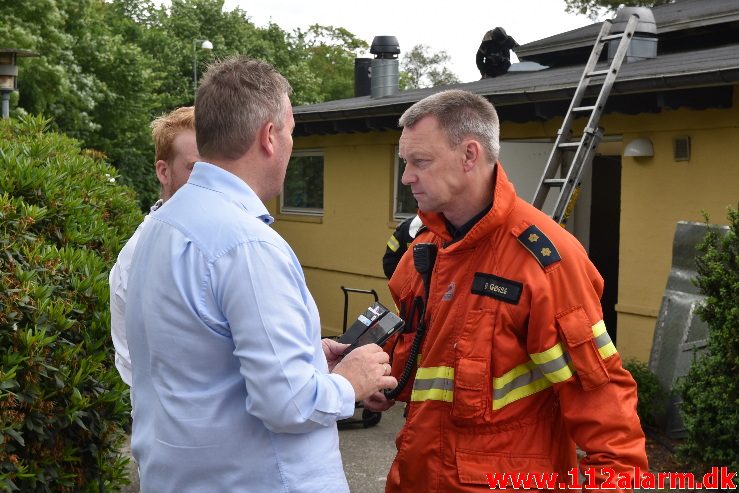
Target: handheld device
x: 374, y: 325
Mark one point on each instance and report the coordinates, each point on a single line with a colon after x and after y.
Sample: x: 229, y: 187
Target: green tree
x: 94, y: 84
x: 597, y: 8
x: 169, y: 35
x: 171, y: 31
x: 420, y: 67
x: 128, y: 96
x: 108, y: 67
x: 54, y: 84
x: 710, y: 391
x: 330, y: 53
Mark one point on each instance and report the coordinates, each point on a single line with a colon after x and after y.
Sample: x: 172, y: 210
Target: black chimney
x: 362, y: 76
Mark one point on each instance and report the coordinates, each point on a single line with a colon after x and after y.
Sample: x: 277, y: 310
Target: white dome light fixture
x: 639, y: 147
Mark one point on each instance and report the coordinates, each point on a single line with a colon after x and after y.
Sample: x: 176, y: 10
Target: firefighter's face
x: 434, y: 168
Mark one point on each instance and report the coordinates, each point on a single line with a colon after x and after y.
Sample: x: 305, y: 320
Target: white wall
x: 524, y: 163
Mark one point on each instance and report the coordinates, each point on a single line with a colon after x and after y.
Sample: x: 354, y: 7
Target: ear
x: 472, y: 154
x: 267, y: 138
x: 163, y: 174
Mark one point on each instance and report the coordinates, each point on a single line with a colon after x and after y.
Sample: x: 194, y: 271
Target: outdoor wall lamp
x: 9, y: 75
x: 639, y: 147
x: 204, y: 45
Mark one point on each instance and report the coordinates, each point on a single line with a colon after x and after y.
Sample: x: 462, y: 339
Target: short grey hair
x: 460, y: 115
x: 237, y: 96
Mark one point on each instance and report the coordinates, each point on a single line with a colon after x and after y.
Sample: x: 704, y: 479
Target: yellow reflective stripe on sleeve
x: 393, y: 243
x: 605, y: 346
x: 554, y: 363
x: 435, y: 383
x: 520, y: 382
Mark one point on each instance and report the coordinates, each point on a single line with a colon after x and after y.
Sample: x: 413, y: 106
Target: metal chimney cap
x: 385, y: 45
x: 646, y: 20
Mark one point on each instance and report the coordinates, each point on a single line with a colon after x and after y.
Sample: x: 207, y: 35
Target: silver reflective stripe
x: 603, y: 342
x: 434, y: 383
x: 555, y: 365
x: 520, y: 381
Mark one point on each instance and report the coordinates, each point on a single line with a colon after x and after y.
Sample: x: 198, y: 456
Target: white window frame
x: 398, y: 216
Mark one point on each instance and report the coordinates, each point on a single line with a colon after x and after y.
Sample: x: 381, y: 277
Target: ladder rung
x: 612, y: 36
x: 569, y: 145
x: 583, y: 146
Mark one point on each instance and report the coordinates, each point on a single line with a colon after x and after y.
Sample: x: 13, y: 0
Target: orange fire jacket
x: 516, y: 366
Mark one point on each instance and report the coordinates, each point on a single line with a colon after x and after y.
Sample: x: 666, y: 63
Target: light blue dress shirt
x: 231, y: 387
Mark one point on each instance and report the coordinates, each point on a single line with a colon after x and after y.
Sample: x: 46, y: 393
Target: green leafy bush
x: 63, y: 408
x: 652, y: 395
x: 710, y: 391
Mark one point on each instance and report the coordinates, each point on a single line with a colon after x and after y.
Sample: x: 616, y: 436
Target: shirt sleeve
x: 572, y: 348
x: 118, y: 283
x: 260, y: 289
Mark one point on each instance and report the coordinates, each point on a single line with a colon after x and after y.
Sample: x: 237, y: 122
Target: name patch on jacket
x: 540, y: 246
x: 497, y: 287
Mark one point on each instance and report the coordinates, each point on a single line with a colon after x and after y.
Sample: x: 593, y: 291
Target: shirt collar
x: 235, y: 189
x: 459, y: 233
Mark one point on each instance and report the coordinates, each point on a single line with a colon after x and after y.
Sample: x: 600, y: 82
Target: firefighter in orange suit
x: 515, y: 367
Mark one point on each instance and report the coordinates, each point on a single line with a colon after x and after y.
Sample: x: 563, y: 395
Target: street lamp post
x: 204, y: 45
x: 9, y: 74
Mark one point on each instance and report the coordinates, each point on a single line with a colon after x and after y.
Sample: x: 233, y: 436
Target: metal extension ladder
x: 584, y: 148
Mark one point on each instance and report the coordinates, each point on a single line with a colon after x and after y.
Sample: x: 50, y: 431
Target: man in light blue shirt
x: 235, y: 391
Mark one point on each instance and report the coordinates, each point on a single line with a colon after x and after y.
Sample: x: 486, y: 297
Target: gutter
x: 643, y: 84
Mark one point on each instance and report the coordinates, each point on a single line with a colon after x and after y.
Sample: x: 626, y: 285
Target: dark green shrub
x: 710, y: 391
x: 63, y: 219
x: 652, y: 395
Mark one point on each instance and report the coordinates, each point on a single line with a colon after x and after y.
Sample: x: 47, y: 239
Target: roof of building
x: 679, y: 16
x: 686, y: 77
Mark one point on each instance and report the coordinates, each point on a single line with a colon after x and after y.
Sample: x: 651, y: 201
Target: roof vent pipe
x: 643, y: 45
x: 385, y: 71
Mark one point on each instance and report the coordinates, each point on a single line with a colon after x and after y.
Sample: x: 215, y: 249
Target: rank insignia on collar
x: 540, y: 246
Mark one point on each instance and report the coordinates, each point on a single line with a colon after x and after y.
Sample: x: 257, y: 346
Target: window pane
x: 303, y: 187
x: 405, y: 204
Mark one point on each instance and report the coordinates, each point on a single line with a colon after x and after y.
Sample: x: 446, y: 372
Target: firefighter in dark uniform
x: 494, y: 55
x: 398, y: 243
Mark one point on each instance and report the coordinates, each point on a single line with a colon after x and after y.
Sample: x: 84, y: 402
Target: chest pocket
x: 472, y: 378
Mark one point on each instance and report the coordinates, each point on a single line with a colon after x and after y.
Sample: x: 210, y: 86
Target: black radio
x: 375, y: 325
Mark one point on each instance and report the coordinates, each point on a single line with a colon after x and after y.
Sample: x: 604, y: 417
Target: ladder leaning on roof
x: 584, y: 148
